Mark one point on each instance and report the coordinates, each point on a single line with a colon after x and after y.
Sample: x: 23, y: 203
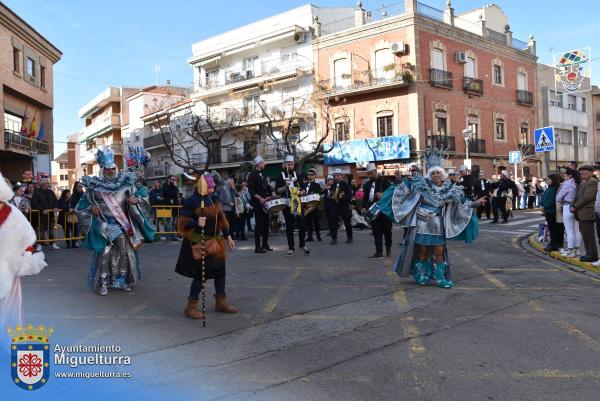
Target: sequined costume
x: 117, y: 231
x: 430, y: 215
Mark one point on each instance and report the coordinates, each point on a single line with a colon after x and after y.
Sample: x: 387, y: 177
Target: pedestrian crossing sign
x: 544, y: 139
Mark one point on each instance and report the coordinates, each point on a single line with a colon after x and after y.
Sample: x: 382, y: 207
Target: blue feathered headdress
x: 106, y: 158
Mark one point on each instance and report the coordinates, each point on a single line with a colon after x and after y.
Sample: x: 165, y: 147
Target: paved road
x: 336, y: 326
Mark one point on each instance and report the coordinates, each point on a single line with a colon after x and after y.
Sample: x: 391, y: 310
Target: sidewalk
x: 534, y: 242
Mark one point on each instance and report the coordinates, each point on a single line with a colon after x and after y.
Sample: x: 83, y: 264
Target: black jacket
x: 381, y: 184
x: 481, y: 188
x: 170, y: 194
x: 344, y: 197
x: 465, y: 182
x: 155, y: 196
x: 280, y: 183
x: 258, y: 185
x: 312, y: 188
x: 43, y: 199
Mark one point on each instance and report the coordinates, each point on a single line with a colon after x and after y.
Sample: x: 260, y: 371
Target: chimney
x: 359, y: 15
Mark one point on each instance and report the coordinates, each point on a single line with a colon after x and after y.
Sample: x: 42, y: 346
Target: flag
x: 33, y: 127
x: 24, y: 123
x: 42, y: 132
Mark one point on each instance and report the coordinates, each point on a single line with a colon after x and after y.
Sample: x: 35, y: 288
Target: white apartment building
x: 258, y: 75
x: 571, y: 115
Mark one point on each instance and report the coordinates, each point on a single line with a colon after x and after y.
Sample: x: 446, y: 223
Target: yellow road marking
x: 489, y: 277
x: 272, y: 304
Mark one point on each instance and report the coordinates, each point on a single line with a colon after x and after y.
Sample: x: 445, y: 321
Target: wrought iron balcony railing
x: 440, y: 78
x: 477, y: 146
x: 14, y: 139
x: 442, y: 142
x: 473, y: 85
x: 525, y: 97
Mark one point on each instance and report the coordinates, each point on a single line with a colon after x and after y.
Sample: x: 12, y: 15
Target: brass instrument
x: 337, y: 195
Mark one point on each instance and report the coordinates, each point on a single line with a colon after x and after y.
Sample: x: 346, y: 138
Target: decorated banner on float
x: 571, y: 69
x: 368, y: 149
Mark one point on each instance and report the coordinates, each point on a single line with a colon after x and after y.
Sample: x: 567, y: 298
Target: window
x: 442, y: 122
x: 30, y: 67
x: 564, y: 136
x: 524, y: 134
x: 289, y: 54
x: 555, y: 98
x: 470, y: 68
x: 250, y: 150
x: 342, y: 74
x: 582, y: 138
x: 342, y: 131
x: 437, y: 59
x: 251, y: 108
x: 12, y: 122
x: 63, y: 177
x: 63, y: 166
x: 385, y: 65
x: 583, y: 105
x: 497, y: 74
x: 473, y: 122
x: 572, y: 102
x: 42, y: 76
x: 16, y: 60
x: 521, y: 81
x: 248, y: 66
x: 214, y: 148
x: 384, y: 126
x: 212, y: 78
x: 89, y: 145
x: 500, y: 129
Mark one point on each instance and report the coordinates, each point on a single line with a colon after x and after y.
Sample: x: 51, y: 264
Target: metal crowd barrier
x: 165, y: 218
x: 48, y: 228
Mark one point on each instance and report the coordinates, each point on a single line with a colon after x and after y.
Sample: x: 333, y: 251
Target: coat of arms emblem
x: 30, y: 356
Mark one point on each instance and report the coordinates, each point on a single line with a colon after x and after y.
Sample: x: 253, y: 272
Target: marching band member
x: 312, y: 215
x: 287, y: 186
x: 381, y: 225
x: 259, y: 190
x: 339, y: 194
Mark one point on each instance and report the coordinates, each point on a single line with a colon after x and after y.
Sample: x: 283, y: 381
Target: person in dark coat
x: 499, y: 203
x: 170, y: 197
x: 340, y: 196
x: 44, y: 200
x: 312, y: 218
x: 259, y: 190
x: 76, y: 195
x: 64, y: 210
x: 189, y: 225
x: 382, y: 225
x: 557, y: 230
x: 481, y: 189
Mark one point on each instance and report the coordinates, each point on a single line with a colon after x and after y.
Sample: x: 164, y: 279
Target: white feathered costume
x: 16, y: 259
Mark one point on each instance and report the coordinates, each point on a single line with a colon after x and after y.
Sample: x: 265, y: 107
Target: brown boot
x: 191, y: 310
x: 222, y: 306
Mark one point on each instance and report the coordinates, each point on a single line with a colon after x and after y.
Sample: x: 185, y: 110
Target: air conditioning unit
x: 461, y: 57
x: 300, y: 37
x: 398, y: 47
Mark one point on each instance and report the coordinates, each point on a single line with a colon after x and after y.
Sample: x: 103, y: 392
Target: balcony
x: 268, y: 151
x: 236, y: 79
x: 442, y: 142
x: 358, y: 82
x: 101, y: 125
x: 477, y: 146
x: 473, y: 86
x: 15, y: 140
x: 524, y: 97
x: 441, y: 78
x: 155, y: 141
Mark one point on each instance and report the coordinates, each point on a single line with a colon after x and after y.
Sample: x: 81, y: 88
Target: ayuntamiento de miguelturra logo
x: 30, y: 356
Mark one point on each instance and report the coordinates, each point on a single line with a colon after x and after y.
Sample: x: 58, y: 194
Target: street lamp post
x: 468, y: 134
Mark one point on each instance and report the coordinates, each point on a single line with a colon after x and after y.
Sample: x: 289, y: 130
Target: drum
x: 312, y: 200
x: 372, y: 213
x: 276, y: 205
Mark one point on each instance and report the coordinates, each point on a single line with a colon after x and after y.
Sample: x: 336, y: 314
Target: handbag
x: 72, y: 218
x: 211, y: 247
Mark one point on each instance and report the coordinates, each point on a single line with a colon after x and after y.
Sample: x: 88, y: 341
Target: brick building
x: 26, y: 95
x: 411, y: 69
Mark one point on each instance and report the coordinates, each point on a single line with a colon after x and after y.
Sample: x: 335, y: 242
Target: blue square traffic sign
x: 514, y: 157
x: 544, y: 139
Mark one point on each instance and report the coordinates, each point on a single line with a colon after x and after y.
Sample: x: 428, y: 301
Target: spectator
x: 249, y: 208
x: 44, y: 200
x: 22, y: 202
x: 583, y: 207
x: 155, y: 194
x: 557, y: 231
x: 170, y: 194
x: 565, y: 198
x: 76, y: 195
x: 240, y: 212
x: 227, y: 199
x: 33, y: 217
x: 66, y: 217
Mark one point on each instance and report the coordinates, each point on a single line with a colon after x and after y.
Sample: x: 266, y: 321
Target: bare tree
x: 182, y: 129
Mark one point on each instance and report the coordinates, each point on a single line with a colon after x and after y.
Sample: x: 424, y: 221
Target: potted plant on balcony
x: 389, y: 67
x: 407, y: 77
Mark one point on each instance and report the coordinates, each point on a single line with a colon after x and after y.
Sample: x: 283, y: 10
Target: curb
x: 556, y: 255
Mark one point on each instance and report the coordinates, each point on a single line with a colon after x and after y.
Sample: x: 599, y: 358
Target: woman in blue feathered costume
x: 432, y: 209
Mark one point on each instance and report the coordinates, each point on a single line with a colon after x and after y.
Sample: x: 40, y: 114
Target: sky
x: 120, y: 42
